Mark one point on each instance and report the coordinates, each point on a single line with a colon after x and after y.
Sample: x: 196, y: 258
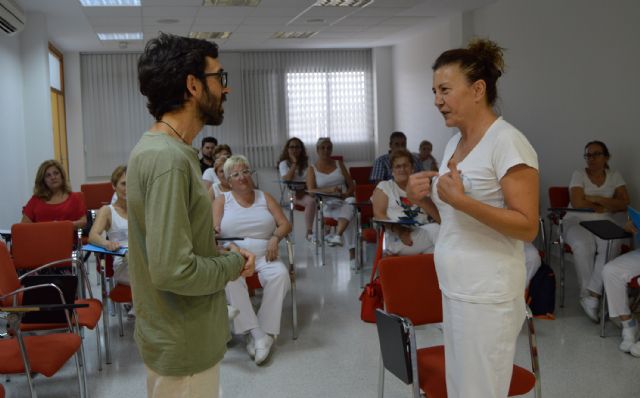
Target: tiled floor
x: 336, y: 355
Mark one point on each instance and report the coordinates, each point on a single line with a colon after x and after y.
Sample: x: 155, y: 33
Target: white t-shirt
x: 397, y: 202
x: 283, y: 167
x: 210, y: 175
x: 612, y: 181
x: 474, y: 262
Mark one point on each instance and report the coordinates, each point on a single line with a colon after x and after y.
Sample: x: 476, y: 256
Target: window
x: 330, y: 104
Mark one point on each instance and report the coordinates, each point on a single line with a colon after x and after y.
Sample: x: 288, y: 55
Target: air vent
x: 110, y: 3
x: 12, y: 19
x: 230, y: 3
x: 209, y: 35
x: 343, y: 3
x: 293, y: 35
x: 120, y: 36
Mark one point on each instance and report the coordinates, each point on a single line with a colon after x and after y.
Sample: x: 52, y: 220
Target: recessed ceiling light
x: 209, y: 35
x: 293, y: 35
x: 231, y: 3
x: 110, y: 3
x: 343, y: 3
x: 120, y: 36
x: 168, y: 21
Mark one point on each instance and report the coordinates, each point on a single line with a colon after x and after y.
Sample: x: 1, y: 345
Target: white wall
x: 382, y: 58
x: 415, y: 114
x: 25, y: 111
x: 73, y: 107
x: 571, y: 77
x: 13, y: 171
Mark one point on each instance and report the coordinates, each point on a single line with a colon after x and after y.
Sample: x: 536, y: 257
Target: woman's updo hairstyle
x: 481, y: 60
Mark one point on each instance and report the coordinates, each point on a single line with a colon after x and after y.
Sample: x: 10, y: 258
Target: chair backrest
x: 337, y: 157
x: 410, y: 288
x: 363, y: 194
x: 559, y: 196
x: 97, y: 194
x: 35, y: 244
x: 8, y: 278
x: 360, y: 174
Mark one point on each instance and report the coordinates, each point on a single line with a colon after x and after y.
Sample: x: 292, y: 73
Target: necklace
x: 174, y: 130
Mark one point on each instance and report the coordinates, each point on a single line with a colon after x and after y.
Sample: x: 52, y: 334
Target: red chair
x: 558, y: 198
x: 97, y: 194
x: 360, y: 174
x: 51, y: 244
x: 411, y: 293
x: 30, y: 355
x: 364, y: 214
x: 253, y: 283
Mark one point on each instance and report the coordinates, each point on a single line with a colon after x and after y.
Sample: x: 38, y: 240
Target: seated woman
x: 390, y: 202
x: 616, y: 275
x: 52, y: 198
x: 331, y: 176
x: 258, y: 218
x: 112, y: 219
x: 209, y: 177
x: 293, y: 166
x: 222, y: 185
x: 605, y: 192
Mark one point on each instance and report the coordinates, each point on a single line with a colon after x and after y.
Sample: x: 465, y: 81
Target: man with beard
x: 177, y: 275
x: 206, y: 151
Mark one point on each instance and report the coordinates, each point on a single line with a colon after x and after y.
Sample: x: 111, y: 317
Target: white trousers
x: 589, y: 253
x: 480, y: 344
x: 616, y: 274
x: 274, y: 278
x: 200, y: 385
x: 424, y: 241
x: 342, y: 209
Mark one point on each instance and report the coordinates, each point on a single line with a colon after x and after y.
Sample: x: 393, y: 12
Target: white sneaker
x: 353, y: 264
x: 232, y: 312
x: 251, y: 348
x: 635, y: 350
x: 334, y: 240
x: 263, y: 349
x: 629, y: 337
x: 311, y: 238
x: 590, y: 306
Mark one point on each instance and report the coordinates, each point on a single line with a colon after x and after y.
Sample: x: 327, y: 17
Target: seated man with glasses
x: 604, y: 191
x: 255, y: 216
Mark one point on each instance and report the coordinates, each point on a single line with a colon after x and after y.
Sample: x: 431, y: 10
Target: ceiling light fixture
x: 209, y: 35
x: 120, y: 36
x: 343, y: 3
x: 230, y: 3
x: 293, y: 35
x: 110, y: 3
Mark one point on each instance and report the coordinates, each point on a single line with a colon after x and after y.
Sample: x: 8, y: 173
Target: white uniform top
x: 216, y: 189
x: 474, y: 262
x: 255, y: 223
x: 332, y: 179
x: 283, y: 167
x: 397, y: 202
x: 119, y: 232
x: 210, y: 175
x: 612, y: 181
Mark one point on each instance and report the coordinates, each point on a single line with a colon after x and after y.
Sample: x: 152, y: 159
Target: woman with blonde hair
x: 112, y: 219
x: 52, y: 198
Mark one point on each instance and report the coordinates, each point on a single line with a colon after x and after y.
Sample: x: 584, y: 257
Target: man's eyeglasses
x: 238, y: 174
x: 222, y: 75
x: 592, y: 155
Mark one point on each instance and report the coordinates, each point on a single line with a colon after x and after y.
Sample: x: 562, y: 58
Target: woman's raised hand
x: 419, y: 185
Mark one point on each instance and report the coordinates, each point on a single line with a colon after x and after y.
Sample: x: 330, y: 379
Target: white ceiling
x: 384, y: 22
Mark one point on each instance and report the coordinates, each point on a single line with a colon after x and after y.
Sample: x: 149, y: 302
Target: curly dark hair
x: 163, y: 68
x: 303, y: 162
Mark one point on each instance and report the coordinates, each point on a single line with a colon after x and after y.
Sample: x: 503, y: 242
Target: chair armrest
x: 75, y: 261
x: 42, y: 307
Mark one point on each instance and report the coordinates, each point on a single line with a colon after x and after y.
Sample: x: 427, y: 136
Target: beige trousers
x: 200, y: 385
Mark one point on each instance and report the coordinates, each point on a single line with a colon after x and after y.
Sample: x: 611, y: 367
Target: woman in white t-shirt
x: 487, y: 193
x: 292, y: 166
x: 390, y: 202
x: 604, y: 191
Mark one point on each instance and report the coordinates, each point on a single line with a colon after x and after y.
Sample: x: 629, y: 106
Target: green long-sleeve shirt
x: 177, y: 275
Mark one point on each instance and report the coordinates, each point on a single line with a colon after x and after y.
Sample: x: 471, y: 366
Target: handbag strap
x: 378, y: 254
